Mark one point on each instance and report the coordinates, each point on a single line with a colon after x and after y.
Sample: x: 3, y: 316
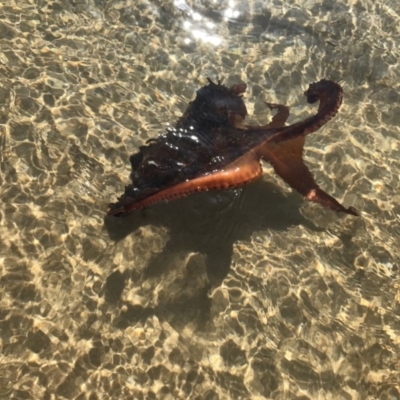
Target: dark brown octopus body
x: 211, y: 148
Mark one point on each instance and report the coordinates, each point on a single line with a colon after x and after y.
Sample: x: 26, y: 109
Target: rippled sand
x: 248, y: 294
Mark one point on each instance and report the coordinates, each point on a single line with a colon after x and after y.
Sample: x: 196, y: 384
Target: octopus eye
x: 238, y: 89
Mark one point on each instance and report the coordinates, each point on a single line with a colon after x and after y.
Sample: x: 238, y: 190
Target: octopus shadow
x: 209, y: 224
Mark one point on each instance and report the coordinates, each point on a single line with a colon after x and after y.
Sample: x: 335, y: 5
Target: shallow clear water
x: 247, y: 294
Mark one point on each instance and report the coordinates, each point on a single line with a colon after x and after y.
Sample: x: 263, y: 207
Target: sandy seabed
x: 247, y: 294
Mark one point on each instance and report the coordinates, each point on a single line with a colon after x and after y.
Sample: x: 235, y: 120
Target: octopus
x: 211, y: 148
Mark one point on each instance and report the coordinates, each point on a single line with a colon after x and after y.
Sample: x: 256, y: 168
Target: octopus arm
x: 287, y: 160
x: 243, y: 170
